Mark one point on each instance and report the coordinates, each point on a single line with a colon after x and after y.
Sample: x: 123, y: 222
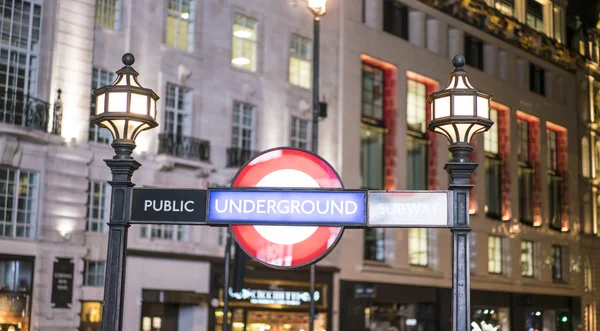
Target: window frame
x: 495, y: 262
x: 419, y: 258
x: 105, y: 193
x: 241, y: 142
x: 558, y: 29
x: 557, y: 263
x: 32, y: 201
x: 296, y: 139
x: 528, y: 257
x: 177, y: 15
x: 298, y: 59
x: 178, y: 233
x: 395, y: 19
x: 525, y: 172
x: 97, y: 275
x: 100, y: 77
x: 473, y: 49
x: 537, y: 79
x: 239, y: 43
x: 108, y: 14
x: 555, y: 189
x: 377, y: 102
x: 374, y: 245
x: 493, y: 168
x: 178, y: 102
x: 503, y: 5
x: 534, y: 19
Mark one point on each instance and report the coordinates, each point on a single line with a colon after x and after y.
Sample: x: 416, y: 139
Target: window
x: 178, y: 110
x: 395, y: 18
x: 372, y: 128
x: 180, y: 24
x: 494, y: 255
x: 167, y: 232
x: 299, y: 133
x: 93, y: 273
x: 525, y: 172
x: 557, y: 267
x: 554, y: 182
x: 493, y: 169
x: 98, y: 206
x: 301, y: 61
x: 16, y: 281
x: 507, y: 7
x: 242, y: 130
x: 537, y: 82
x: 474, y: 52
x: 91, y: 316
x: 20, y: 46
x: 418, y: 246
x: 374, y: 249
x: 100, y: 77
x: 244, y: 42
x: 535, y: 15
x: 558, y: 22
x: 18, y: 202
x: 527, y: 266
x: 108, y: 13
x: 416, y: 142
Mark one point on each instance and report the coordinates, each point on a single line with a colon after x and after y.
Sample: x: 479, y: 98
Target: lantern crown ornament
x: 317, y: 7
x: 125, y: 108
x: 460, y: 111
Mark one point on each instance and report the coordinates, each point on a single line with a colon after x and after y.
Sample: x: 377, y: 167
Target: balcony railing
x: 509, y: 29
x: 184, y: 147
x: 29, y: 112
x: 237, y: 157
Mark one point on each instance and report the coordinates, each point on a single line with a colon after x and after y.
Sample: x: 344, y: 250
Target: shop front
x: 392, y: 307
x: 16, y: 281
x: 272, y: 300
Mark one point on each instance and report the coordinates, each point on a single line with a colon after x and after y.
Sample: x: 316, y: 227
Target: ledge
x: 31, y: 135
x: 383, y: 268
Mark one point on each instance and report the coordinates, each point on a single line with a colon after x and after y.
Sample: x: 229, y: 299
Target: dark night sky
x: 587, y: 10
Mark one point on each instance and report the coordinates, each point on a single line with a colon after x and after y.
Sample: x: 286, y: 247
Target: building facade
x: 235, y: 78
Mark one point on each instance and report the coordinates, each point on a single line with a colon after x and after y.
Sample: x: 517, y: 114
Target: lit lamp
x: 460, y: 111
x: 125, y: 108
x: 317, y: 7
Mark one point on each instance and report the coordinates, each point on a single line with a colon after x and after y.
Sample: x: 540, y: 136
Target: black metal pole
x: 122, y: 166
x: 315, y: 149
x: 316, y: 105
x: 226, y: 281
x: 460, y: 170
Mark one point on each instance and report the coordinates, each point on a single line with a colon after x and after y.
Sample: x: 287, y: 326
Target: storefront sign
x: 273, y: 297
x: 409, y: 209
x: 286, y: 206
x: 160, y: 205
x: 62, y: 283
x: 364, y: 291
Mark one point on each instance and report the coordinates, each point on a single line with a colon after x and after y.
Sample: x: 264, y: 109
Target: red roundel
x: 287, y: 246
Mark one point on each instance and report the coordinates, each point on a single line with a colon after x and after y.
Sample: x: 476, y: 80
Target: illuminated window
x: 301, y: 61
x: 166, y: 232
x: 18, y: 202
x: 299, y: 133
x: 91, y: 316
x: 558, y: 22
x: 493, y: 169
x: 554, y: 181
x: 374, y: 249
x: 245, y: 36
x: 495, y: 254
x: 93, y: 273
x: 507, y: 7
x: 108, y: 13
x: 100, y: 77
x: 418, y: 246
x: 98, y: 206
x: 180, y: 24
x: 525, y: 172
x: 535, y: 15
x: 372, y: 127
x: 416, y: 141
x: 20, y: 45
x: 527, y: 255
x: 15, y: 297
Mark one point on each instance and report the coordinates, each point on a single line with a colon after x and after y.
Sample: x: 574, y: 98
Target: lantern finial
x: 128, y: 59
x: 459, y: 62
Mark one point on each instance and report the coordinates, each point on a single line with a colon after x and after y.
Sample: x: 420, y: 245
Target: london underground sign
x: 289, y: 246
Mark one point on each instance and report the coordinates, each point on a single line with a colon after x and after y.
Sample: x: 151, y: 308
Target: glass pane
x: 416, y: 163
x: 371, y: 157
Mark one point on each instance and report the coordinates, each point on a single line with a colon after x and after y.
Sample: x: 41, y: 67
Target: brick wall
x: 389, y: 105
x: 561, y: 142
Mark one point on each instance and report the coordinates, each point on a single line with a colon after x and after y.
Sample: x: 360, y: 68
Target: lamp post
x: 318, y: 8
x: 125, y: 108
x: 459, y: 112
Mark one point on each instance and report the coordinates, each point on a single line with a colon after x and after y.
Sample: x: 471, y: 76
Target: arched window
x: 585, y: 157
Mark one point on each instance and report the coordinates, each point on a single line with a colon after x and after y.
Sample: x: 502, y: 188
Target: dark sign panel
x: 168, y: 206
x: 62, y: 283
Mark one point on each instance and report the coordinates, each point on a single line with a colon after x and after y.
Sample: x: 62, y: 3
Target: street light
x: 318, y: 8
x: 459, y: 112
x: 125, y: 108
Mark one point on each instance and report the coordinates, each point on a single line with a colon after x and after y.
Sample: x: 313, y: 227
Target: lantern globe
x: 318, y: 7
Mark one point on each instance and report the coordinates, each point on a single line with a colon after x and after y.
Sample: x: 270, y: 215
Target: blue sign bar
x: 287, y: 207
